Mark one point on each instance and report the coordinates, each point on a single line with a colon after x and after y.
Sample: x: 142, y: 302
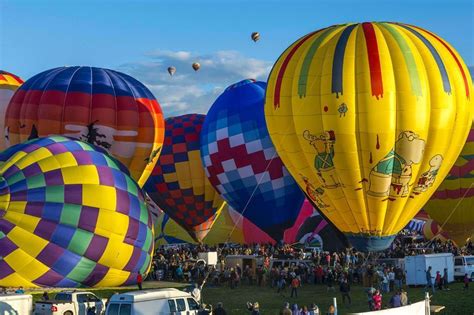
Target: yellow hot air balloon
x: 369, y: 118
x: 452, y: 205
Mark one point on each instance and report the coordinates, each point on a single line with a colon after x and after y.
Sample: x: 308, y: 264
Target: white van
x: 153, y: 302
x: 463, y: 265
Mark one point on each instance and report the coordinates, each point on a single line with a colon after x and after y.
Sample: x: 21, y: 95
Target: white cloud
x: 189, y: 91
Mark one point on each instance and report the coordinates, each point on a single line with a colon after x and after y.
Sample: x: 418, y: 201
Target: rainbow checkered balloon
x: 70, y: 216
x: 178, y: 184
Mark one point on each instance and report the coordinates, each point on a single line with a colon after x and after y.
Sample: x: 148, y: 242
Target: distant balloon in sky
x: 369, y: 118
x: 70, y: 216
x: 9, y: 83
x: 107, y: 108
x: 196, y: 66
x: 255, y: 36
x: 241, y: 162
x: 171, y: 70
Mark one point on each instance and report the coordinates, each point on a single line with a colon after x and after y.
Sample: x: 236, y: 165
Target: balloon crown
x: 241, y: 83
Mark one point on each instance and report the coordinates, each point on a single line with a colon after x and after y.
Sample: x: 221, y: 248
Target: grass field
x: 457, y: 301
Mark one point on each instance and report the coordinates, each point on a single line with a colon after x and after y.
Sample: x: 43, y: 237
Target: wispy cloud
x: 189, y: 91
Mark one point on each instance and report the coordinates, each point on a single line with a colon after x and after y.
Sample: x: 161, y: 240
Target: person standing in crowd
x: 445, y: 279
x: 385, y: 284
x: 399, y: 275
x: 139, y: 281
x: 219, y: 310
x: 313, y: 309
x: 370, y: 298
x: 329, y: 280
x: 391, y: 279
x: 377, y: 300
x: 286, y: 309
x: 295, y: 283
x: 429, y: 280
x: 295, y: 310
x: 281, y: 285
x: 396, y: 301
x: 438, y: 281
x: 466, y: 282
x: 345, y: 289
x: 45, y: 296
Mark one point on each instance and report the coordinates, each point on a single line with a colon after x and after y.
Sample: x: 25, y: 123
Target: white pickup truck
x: 71, y: 303
x: 464, y: 265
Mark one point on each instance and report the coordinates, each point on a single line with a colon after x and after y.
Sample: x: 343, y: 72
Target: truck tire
x: 68, y: 313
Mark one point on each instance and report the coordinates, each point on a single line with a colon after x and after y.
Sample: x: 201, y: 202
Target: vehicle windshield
x: 64, y: 297
x: 470, y: 261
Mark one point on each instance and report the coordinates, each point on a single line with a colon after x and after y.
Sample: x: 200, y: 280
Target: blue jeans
x: 398, y: 283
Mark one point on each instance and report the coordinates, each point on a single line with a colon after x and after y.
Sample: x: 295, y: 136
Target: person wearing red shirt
x: 295, y: 283
x: 139, y: 281
x: 377, y: 300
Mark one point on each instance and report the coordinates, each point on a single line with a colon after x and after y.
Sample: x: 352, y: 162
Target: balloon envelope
x: 171, y: 70
x: 178, y: 184
x: 452, y: 205
x: 369, y: 118
x: 70, y: 216
x: 9, y: 83
x: 241, y: 162
x: 104, y: 107
x: 196, y: 66
x: 255, y: 36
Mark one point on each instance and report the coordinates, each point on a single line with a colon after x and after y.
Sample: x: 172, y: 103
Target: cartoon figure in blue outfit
x: 392, y: 175
x: 323, y: 162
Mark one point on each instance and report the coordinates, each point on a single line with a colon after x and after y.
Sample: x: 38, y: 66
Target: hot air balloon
x: 368, y: 118
x: 171, y: 70
x: 104, y: 107
x: 241, y: 162
x: 315, y: 231
x: 255, y: 36
x: 431, y: 230
x: 70, y: 216
x: 452, y: 205
x: 196, y: 66
x: 167, y: 231
x: 8, y: 85
x: 178, y: 184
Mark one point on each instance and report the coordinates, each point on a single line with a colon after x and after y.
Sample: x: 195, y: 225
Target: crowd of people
x: 338, y: 270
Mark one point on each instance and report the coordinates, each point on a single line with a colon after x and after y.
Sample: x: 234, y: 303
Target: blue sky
x: 143, y: 37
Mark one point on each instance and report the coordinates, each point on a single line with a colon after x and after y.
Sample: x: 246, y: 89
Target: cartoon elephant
x: 323, y: 162
x: 392, y: 175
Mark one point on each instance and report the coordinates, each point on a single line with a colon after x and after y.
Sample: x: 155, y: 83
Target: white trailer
x: 210, y: 258
x: 16, y: 304
x: 416, y: 266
